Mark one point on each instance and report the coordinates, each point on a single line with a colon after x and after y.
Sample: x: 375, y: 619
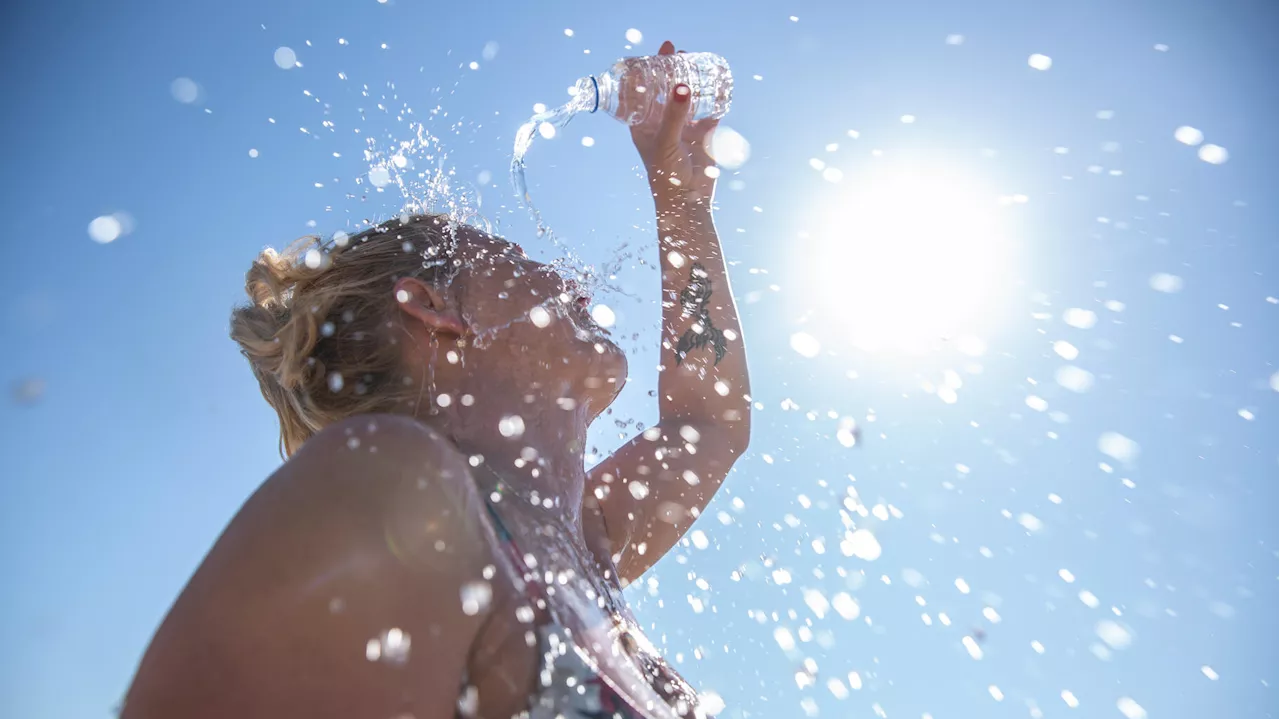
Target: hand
x: 676, y: 153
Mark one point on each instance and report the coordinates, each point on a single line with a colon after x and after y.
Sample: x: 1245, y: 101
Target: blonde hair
x: 320, y: 331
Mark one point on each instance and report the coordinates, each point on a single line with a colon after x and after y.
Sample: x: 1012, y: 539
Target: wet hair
x: 320, y: 330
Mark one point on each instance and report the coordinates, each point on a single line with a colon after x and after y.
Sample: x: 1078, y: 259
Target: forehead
x: 478, y: 243
x: 481, y: 251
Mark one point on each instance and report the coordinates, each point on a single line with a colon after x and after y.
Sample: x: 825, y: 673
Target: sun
x: 914, y: 256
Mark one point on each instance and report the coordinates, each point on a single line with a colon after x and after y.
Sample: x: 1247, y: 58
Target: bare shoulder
x: 347, y: 558
x: 415, y: 481
x: 374, y: 449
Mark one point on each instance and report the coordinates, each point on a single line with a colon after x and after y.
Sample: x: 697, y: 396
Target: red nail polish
x: 682, y: 93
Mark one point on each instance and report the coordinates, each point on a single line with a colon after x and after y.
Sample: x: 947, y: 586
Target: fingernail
x: 682, y: 93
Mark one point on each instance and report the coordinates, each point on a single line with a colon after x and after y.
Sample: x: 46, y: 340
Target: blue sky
x: 149, y: 431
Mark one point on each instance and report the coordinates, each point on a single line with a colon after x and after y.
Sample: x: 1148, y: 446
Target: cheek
x: 499, y: 301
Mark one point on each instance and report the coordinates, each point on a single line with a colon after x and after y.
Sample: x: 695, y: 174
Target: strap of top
x: 532, y: 586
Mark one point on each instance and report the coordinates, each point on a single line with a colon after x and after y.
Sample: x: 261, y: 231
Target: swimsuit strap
x: 533, y: 587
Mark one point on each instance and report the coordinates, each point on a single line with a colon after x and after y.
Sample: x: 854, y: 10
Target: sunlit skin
x: 378, y: 522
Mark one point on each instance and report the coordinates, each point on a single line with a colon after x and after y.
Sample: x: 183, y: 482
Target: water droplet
x: 105, y: 229
x: 1213, y: 154
x: 28, y: 391
x: 603, y: 315
x: 638, y: 489
x: 1070, y: 699
x: 1040, y: 62
x: 817, y: 602
x: 962, y: 585
x: 1188, y: 135
x: 1065, y: 350
x: 1066, y: 575
x: 729, y: 148
x: 805, y: 344
x: 1165, y: 282
x: 995, y: 693
x: 511, y: 426
x: 972, y: 647
x: 1088, y: 598
x: 861, y: 544
x: 379, y: 177
x: 286, y: 58
x: 846, y: 606
x: 1209, y: 672
x: 1118, y: 447
x: 1116, y: 635
x: 539, y: 317
x: 955, y: 39
x: 1080, y: 318
x: 476, y: 596
x: 1130, y: 708
x: 391, y: 646
x: 184, y: 90
x: 783, y: 637
x: 1074, y: 378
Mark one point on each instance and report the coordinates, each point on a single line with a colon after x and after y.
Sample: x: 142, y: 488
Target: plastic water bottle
x: 634, y: 90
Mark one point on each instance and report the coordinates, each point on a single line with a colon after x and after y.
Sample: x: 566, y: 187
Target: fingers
x: 698, y: 137
x: 674, y: 117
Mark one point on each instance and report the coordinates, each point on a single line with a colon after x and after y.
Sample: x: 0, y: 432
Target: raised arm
x: 653, y: 488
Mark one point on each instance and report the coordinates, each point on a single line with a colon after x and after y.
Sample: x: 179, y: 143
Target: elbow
x: 737, y: 435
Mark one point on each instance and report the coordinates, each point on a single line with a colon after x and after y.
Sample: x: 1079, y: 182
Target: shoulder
x: 380, y: 444
x: 409, y: 479
x: 373, y: 524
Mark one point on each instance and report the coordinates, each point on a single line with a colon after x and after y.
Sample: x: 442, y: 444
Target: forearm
x: 703, y: 378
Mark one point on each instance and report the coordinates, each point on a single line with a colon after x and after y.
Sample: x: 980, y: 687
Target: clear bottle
x: 634, y: 90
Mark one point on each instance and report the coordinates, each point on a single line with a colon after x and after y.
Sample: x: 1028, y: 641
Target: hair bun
x: 267, y: 330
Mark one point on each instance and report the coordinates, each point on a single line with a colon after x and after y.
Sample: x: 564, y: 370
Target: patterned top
x: 572, y: 684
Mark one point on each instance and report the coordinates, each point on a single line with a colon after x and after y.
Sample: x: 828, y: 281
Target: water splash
x: 555, y: 119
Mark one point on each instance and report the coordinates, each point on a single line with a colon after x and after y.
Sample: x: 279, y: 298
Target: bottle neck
x: 595, y: 93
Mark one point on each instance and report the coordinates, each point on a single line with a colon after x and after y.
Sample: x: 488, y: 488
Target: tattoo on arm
x: 694, y: 299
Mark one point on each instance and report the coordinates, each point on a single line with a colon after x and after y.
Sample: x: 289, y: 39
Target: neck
x: 532, y: 448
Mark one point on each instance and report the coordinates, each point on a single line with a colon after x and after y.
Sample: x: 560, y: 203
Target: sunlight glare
x: 915, y: 257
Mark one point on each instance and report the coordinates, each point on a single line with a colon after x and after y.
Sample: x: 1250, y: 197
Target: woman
x: 433, y: 546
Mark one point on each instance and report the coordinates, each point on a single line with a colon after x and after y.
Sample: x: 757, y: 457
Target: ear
x: 427, y: 306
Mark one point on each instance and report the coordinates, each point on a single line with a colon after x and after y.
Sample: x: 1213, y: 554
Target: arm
x: 703, y: 386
